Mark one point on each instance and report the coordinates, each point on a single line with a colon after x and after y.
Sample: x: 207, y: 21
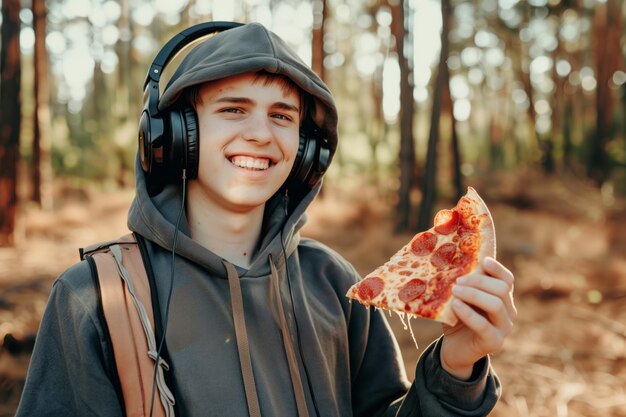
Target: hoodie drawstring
x: 241, y: 337
x: 243, y: 347
x: 294, y: 368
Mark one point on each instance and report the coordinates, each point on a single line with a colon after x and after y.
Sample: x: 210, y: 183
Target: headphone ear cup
x: 312, y: 159
x: 182, y: 126
x: 305, y: 158
x: 193, y: 142
x: 144, y: 142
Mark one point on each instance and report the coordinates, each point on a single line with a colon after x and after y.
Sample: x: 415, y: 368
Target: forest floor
x: 564, y: 240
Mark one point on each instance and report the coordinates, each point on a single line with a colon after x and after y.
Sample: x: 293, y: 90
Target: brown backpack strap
x: 104, y: 246
x: 127, y: 306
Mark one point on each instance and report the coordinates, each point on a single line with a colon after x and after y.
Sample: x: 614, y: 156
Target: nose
x: 258, y: 129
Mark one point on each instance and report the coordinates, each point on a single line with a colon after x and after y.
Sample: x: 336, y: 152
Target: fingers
x: 484, y: 303
x: 496, y: 308
x: 497, y: 270
x: 490, y: 338
x: 501, y: 288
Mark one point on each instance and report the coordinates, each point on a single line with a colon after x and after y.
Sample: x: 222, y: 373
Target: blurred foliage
x: 524, y: 78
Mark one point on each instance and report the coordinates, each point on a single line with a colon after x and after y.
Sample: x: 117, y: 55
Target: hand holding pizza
x: 483, y: 303
x: 449, y: 273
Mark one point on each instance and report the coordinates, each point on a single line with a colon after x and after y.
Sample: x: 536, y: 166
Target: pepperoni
x: 471, y: 222
x: 463, y: 261
x: 423, y: 243
x: 447, y: 221
x: 411, y: 290
x: 370, y: 288
x: 469, y: 243
x: 440, y: 290
x: 443, y: 255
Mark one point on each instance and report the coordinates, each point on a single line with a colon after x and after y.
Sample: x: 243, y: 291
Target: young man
x: 311, y: 352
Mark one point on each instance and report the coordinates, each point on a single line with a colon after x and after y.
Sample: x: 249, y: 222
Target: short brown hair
x: 191, y: 95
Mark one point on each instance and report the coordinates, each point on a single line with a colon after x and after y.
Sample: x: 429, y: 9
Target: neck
x: 232, y: 235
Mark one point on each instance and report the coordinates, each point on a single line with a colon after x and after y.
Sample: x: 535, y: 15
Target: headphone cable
x: 293, y: 308
x: 169, y: 294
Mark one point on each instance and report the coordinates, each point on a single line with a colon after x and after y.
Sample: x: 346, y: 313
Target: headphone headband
x: 178, y: 42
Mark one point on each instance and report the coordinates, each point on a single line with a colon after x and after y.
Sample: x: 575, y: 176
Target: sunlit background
x: 528, y: 105
x: 87, y: 40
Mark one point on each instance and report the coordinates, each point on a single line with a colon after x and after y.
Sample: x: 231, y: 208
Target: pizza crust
x: 446, y: 315
x: 487, y: 228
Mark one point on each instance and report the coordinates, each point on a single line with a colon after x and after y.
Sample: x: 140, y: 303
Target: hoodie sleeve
x: 380, y: 387
x: 437, y: 393
x: 70, y: 369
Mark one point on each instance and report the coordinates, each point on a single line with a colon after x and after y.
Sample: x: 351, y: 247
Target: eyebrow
x: 245, y: 100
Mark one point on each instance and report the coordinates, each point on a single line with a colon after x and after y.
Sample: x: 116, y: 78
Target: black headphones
x: 169, y: 140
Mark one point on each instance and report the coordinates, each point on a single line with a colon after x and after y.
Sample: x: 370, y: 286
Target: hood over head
x: 247, y: 48
x: 251, y: 48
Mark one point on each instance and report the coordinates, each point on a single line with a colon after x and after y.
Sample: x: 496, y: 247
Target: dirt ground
x: 564, y: 240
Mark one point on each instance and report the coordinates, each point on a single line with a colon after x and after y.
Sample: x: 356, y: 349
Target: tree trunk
x: 377, y: 124
x: 10, y: 118
x: 320, y: 13
x: 123, y: 102
x: 606, y: 34
x: 524, y: 76
x: 42, y: 162
x: 568, y: 121
x: 429, y: 190
x: 456, y: 160
x: 448, y: 104
x: 407, y: 144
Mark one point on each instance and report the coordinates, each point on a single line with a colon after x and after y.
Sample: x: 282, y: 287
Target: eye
x: 230, y: 110
x: 282, y: 117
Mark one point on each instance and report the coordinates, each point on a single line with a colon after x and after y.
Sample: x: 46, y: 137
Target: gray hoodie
x: 349, y: 362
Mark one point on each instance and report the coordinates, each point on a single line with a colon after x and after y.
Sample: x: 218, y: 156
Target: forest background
x: 523, y: 100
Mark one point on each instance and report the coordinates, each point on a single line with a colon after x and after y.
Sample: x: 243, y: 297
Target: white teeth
x: 250, y: 162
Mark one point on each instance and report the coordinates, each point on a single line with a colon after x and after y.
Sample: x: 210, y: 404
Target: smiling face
x: 249, y: 132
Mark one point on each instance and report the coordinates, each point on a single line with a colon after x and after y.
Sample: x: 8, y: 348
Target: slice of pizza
x: 418, y: 279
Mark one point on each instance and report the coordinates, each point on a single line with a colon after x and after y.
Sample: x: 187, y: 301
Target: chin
x: 250, y: 200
